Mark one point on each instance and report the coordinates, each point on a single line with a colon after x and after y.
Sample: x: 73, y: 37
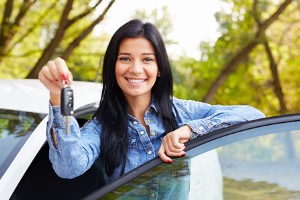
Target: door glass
x: 259, y: 163
x: 261, y: 167
x: 15, y: 129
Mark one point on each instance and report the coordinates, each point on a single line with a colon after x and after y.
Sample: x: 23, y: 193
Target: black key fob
x: 67, y: 101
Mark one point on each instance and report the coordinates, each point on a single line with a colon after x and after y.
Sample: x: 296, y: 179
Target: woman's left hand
x: 173, y: 143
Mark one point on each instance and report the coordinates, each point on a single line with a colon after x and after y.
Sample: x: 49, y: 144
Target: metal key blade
x: 67, y: 124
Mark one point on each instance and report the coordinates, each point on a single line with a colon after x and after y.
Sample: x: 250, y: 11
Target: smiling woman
x: 136, y: 68
x: 138, y: 118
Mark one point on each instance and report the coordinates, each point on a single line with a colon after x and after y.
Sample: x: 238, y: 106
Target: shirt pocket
x: 133, y: 159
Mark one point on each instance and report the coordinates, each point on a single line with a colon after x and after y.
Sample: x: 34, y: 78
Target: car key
x: 67, y: 103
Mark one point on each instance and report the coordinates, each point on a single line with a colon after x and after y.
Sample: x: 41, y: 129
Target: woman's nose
x: 137, y: 67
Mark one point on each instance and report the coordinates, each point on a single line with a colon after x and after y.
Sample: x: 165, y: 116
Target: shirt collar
x: 152, y: 105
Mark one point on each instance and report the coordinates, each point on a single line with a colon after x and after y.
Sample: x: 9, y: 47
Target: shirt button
x: 153, y: 133
x: 149, y: 152
x: 142, y: 132
x: 135, y: 122
x: 201, y: 128
x: 149, y: 120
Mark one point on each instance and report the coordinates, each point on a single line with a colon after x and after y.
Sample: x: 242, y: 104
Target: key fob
x: 67, y: 101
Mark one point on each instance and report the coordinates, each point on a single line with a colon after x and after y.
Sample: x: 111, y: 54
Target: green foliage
x: 38, y: 28
x: 252, y: 82
x: 161, y: 18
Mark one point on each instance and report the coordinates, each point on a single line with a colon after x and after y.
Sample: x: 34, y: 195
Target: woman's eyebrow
x: 121, y: 53
x: 148, y: 54
x: 124, y: 53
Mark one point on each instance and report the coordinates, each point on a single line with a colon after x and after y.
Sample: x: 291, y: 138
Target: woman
x: 137, y: 118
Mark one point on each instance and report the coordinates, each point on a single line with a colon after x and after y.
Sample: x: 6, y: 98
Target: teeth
x: 136, y: 80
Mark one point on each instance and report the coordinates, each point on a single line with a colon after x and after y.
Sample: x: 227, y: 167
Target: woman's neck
x: 138, y: 106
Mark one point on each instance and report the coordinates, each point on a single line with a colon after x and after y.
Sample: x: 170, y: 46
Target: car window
x: 15, y: 128
x: 257, y: 163
x: 263, y: 166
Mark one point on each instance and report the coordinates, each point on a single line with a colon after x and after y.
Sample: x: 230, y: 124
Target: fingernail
x: 169, y: 161
x: 65, y: 77
x: 66, y: 82
x: 183, y: 154
x: 56, y: 80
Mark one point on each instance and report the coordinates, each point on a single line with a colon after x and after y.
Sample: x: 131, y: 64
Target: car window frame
x: 197, y: 143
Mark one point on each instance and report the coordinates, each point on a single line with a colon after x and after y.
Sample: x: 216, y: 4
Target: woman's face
x: 136, y: 67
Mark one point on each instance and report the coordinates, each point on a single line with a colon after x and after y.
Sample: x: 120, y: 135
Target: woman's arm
x: 74, y: 153
x: 197, y: 118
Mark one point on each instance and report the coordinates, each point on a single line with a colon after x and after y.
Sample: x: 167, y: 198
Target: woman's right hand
x: 53, y: 75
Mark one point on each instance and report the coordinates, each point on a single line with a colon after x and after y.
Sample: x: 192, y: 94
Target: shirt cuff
x: 200, y: 127
x: 56, y: 116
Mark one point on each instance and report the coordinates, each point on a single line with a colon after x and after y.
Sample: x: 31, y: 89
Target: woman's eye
x: 124, y: 59
x: 148, y: 59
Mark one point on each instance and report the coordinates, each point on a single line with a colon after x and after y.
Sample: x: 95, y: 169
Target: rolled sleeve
x: 222, y: 117
x: 204, y: 118
x: 71, y: 153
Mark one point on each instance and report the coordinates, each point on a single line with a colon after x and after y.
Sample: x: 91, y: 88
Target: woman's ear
x: 158, y: 74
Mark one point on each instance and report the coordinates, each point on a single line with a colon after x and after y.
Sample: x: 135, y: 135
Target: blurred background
x: 222, y: 52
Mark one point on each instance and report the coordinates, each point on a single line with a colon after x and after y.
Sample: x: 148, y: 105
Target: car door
x: 41, y: 182
x: 254, y: 160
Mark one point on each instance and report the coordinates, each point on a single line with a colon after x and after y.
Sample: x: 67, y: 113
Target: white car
x: 24, y: 107
x: 259, y: 159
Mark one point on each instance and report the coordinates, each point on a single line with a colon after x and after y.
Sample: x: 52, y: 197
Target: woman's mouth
x: 136, y: 80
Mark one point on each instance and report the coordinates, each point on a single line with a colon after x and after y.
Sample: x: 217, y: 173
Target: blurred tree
x: 44, y: 29
x: 244, y: 52
x: 253, y: 61
x: 162, y: 20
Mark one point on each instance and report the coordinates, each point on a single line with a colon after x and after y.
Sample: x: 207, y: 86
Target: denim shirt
x: 74, y: 153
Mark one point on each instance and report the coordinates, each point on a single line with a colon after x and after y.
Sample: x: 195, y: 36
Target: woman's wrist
x: 54, y: 99
x: 188, y: 130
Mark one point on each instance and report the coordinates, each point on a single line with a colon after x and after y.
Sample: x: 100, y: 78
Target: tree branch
x: 233, y: 63
x: 276, y: 82
x: 82, y: 15
x: 5, y: 26
x: 85, y: 33
x: 50, y: 49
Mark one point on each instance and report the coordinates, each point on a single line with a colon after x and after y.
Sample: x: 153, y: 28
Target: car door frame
x: 198, y: 145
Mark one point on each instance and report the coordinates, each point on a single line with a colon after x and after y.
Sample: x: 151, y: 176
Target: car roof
x: 32, y: 96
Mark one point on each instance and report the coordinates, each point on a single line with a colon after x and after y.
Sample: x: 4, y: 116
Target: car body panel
x: 31, y: 95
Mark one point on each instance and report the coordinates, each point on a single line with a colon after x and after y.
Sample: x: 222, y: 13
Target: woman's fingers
x: 163, y: 156
x: 173, y: 143
x: 54, y: 74
x: 62, y: 69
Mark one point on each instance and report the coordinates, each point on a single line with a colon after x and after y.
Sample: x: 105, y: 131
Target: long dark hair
x: 113, y: 109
